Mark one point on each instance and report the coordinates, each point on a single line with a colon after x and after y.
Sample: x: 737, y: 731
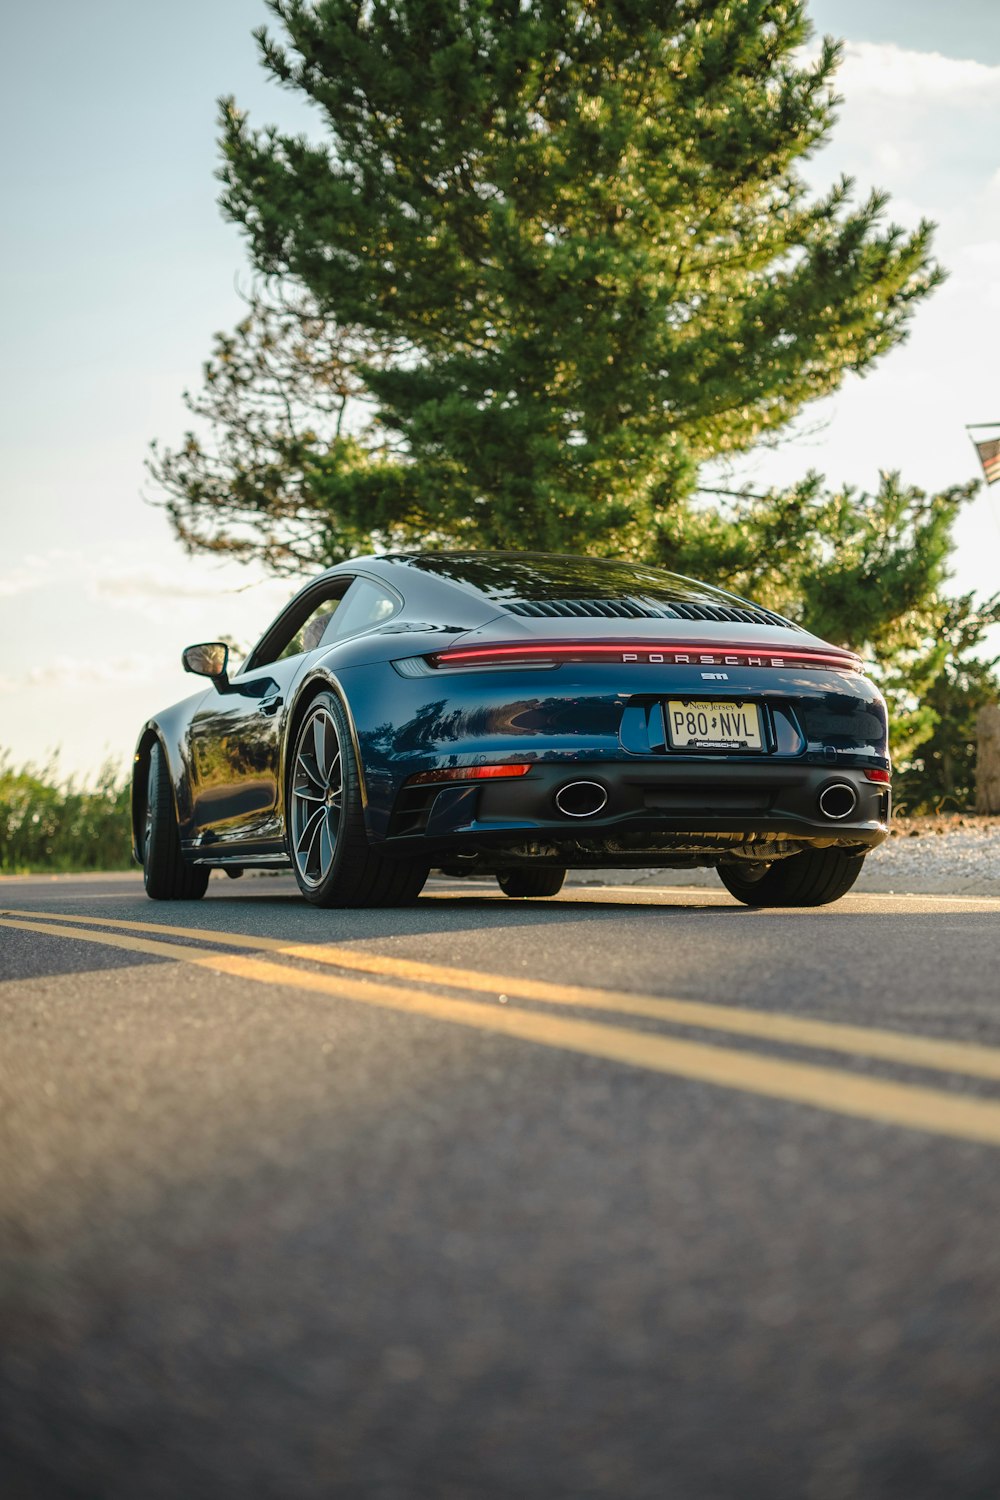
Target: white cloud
x: 924, y: 127
x: 137, y: 587
x: 36, y: 571
x: 890, y: 156
x: 985, y: 255
x: 190, y: 595
x: 183, y: 592
x: 21, y: 581
x: 118, y: 580
x: 883, y: 68
x: 78, y: 671
x: 974, y: 286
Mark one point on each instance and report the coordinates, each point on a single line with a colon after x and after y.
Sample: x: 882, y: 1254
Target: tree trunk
x: 988, y: 760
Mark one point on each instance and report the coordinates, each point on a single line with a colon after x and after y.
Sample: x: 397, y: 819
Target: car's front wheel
x: 164, y: 872
x: 814, y: 878
x: 333, y: 861
x: 541, y: 882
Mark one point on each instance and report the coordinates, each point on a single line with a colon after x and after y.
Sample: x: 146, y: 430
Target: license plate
x: 697, y: 724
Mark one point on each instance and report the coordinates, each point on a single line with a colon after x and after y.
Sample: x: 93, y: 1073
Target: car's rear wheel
x: 531, y: 882
x: 333, y: 861
x: 164, y: 872
x: 814, y: 878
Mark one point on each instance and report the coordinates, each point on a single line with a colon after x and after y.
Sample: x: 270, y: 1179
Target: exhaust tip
x: 838, y: 800
x: 581, y: 799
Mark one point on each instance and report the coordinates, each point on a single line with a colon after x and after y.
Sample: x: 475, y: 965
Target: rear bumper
x: 681, y: 814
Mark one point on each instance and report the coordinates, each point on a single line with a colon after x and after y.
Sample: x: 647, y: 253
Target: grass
x: 50, y: 823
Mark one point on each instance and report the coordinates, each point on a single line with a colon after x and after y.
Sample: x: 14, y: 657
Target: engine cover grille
x: 636, y: 607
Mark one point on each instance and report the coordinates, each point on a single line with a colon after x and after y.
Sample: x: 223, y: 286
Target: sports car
x: 516, y: 714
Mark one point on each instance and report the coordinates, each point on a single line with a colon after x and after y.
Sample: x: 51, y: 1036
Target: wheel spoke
x: 307, y: 832
x: 308, y: 793
x: 326, y: 843
x: 312, y: 863
x: 307, y: 765
x: 320, y: 747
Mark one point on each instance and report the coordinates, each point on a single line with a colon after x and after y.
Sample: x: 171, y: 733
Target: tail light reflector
x: 878, y: 775
x: 467, y: 773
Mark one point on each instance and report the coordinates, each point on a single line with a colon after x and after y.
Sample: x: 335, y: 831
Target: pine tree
x: 282, y: 416
x: 577, y: 235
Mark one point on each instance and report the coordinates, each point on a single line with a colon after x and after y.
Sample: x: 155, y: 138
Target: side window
x: 344, y: 608
x: 365, y: 605
x: 302, y: 626
x: 312, y: 631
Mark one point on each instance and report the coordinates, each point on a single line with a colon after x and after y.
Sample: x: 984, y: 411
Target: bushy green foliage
x: 941, y: 774
x: 48, y: 822
x: 577, y: 234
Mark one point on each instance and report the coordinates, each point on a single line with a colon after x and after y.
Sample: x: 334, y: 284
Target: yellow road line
x: 933, y: 1053
x: 694, y: 896
x: 830, y: 1089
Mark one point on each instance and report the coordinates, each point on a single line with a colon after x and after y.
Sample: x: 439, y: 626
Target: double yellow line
x: 816, y: 1084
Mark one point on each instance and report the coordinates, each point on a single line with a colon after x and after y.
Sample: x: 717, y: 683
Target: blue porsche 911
x: 516, y: 714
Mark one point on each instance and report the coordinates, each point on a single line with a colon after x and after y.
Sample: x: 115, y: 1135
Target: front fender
x: 169, y: 728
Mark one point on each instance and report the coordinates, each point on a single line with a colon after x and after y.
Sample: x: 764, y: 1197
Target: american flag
x: 989, y: 457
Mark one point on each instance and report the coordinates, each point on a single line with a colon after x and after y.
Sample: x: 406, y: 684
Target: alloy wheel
x: 317, y: 791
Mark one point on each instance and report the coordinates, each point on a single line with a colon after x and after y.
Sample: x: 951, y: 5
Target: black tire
x: 166, y: 875
x: 813, y: 878
x: 541, y: 882
x: 333, y: 861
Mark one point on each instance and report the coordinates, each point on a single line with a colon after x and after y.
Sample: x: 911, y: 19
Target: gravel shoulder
x: 949, y: 855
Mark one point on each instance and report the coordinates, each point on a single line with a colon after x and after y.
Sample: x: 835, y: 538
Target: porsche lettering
x: 705, y: 659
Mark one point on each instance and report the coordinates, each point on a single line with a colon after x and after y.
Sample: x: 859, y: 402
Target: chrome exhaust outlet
x: 581, y: 799
x: 838, y: 800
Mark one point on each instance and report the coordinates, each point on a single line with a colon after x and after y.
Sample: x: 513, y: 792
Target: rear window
x: 538, y: 583
x: 531, y: 576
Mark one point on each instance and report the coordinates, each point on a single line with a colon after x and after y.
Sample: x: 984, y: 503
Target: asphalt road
x: 632, y: 1195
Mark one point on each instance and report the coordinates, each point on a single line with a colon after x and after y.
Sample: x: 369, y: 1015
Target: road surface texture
x: 631, y: 1194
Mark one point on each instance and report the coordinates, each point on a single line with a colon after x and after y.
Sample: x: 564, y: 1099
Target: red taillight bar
x: 878, y: 775
x: 642, y: 653
x: 467, y: 773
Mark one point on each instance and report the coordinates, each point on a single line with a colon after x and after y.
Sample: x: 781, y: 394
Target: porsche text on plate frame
x: 515, y: 714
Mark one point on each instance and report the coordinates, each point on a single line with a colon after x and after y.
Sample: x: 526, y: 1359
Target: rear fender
x: 320, y: 681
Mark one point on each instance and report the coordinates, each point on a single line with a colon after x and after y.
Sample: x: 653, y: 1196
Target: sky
x: 116, y: 267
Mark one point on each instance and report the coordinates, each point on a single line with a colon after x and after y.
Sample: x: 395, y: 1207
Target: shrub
x: 48, y: 822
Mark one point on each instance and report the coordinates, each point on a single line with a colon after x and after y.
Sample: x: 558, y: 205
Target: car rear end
x: 630, y: 730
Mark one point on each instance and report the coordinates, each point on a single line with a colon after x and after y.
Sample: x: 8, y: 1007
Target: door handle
x: 270, y: 706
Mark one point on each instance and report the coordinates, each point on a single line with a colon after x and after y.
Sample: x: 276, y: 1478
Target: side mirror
x: 210, y: 659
